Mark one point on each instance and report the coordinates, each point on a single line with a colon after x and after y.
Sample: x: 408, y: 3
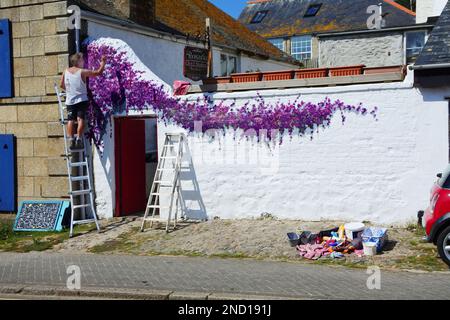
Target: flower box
x: 278, y: 75
x: 217, y: 80
x: 388, y: 69
x: 346, y: 71
x: 245, y: 77
x: 311, y: 73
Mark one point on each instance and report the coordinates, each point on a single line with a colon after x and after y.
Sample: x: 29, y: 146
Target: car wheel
x: 443, y: 244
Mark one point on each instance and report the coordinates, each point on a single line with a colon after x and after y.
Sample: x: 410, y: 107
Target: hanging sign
x: 195, y: 63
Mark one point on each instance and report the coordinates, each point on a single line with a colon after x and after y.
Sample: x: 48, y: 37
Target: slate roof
x: 187, y: 17
x: 286, y: 17
x: 437, y: 48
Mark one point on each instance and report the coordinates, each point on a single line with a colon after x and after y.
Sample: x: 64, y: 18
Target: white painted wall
x: 428, y: 8
x: 365, y: 170
x: 373, y: 50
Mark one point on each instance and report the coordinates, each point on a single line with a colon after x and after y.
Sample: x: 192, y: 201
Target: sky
x: 232, y: 7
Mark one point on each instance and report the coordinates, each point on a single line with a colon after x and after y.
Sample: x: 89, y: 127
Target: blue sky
x: 232, y: 7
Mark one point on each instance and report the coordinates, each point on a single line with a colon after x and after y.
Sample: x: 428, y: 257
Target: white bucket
x: 370, y: 248
x: 352, y: 229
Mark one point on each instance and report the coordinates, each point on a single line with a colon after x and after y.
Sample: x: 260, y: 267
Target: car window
x: 444, y: 182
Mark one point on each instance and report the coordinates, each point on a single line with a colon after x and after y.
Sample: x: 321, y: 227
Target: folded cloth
x: 181, y: 88
x: 312, y: 251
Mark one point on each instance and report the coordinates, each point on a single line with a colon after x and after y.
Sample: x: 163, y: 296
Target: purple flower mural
x: 122, y: 89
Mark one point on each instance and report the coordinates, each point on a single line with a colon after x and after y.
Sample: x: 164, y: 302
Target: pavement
x: 179, y: 278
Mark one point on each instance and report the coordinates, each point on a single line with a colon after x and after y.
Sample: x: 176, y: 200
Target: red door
x: 130, y: 169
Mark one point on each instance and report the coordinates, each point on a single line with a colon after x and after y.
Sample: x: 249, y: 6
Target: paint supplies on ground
x: 336, y: 243
x: 353, y: 229
x: 370, y: 248
x: 294, y: 239
x: 302, y: 238
x: 376, y: 235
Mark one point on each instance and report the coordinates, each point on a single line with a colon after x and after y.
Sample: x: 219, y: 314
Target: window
x: 313, y: 10
x: 415, y: 41
x: 228, y: 65
x: 259, y: 16
x: 279, y: 43
x: 301, y: 47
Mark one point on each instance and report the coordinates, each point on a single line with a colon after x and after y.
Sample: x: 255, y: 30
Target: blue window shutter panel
x: 6, y: 78
x: 7, y: 173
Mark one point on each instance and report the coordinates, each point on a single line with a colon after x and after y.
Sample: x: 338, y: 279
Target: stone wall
x: 40, y: 55
x: 383, y: 49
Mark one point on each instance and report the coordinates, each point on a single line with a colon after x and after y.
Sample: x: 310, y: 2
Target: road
x: 216, y: 277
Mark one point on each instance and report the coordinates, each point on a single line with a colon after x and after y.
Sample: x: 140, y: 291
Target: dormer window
x: 313, y: 10
x: 259, y: 16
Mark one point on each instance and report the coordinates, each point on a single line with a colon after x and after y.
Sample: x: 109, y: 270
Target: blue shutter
x: 7, y: 173
x: 6, y: 78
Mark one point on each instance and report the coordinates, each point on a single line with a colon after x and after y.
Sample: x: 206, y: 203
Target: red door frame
x: 118, y: 211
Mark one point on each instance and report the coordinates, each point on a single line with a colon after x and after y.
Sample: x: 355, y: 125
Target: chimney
x: 428, y: 8
x: 139, y: 11
x: 143, y: 12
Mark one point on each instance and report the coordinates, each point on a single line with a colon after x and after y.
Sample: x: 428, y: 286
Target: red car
x: 436, y: 219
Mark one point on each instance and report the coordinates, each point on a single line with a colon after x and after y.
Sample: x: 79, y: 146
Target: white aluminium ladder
x: 78, y: 159
x: 169, y: 165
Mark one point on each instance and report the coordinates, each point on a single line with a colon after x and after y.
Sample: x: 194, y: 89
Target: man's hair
x: 75, y: 58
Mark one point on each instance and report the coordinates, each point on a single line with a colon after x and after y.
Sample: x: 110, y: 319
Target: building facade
x: 41, y: 43
x: 332, y: 33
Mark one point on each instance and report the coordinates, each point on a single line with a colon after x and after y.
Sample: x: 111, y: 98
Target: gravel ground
x: 258, y: 238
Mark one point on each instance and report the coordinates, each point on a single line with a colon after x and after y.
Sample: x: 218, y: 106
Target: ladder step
x: 87, y: 221
x: 80, y: 192
x: 164, y: 183
x: 82, y: 206
x: 165, y: 169
x: 83, y: 178
x: 153, y: 206
x: 169, y: 158
x: 155, y: 219
x: 78, y: 164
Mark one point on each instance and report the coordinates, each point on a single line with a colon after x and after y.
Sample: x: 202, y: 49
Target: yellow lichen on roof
x: 189, y: 17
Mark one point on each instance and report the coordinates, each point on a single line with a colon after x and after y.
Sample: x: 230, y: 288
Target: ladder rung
x: 153, y: 206
x: 155, y: 219
x: 80, y: 192
x: 165, y: 169
x: 82, y: 206
x: 78, y: 164
x: 170, y: 146
x: 165, y: 183
x: 83, y: 178
x: 87, y: 221
x: 169, y: 158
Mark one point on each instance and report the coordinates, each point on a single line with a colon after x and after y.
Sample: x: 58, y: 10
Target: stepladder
x: 165, y: 193
x: 81, y: 191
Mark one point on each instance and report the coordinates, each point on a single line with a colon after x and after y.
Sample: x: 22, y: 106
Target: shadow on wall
x: 192, y: 205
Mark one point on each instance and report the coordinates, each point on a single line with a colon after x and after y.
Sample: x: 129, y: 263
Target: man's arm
x: 62, y: 83
x: 95, y: 73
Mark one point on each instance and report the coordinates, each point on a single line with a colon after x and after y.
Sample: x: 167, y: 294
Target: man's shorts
x: 77, y: 111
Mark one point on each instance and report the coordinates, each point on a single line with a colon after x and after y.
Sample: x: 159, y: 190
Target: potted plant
x: 278, y: 75
x: 388, y: 69
x: 246, y: 77
x: 311, y: 73
x: 346, y: 71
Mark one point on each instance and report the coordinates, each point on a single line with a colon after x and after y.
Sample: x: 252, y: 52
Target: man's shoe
x: 79, y: 144
x: 73, y: 144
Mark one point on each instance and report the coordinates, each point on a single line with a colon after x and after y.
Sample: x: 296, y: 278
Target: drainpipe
x: 74, y: 22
